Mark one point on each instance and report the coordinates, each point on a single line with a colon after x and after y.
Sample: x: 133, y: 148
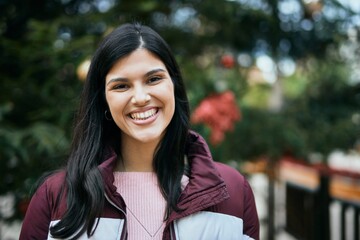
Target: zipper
x: 124, y: 231
x: 172, y: 231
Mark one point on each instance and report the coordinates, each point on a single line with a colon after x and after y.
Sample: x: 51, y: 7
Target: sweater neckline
x: 144, y: 203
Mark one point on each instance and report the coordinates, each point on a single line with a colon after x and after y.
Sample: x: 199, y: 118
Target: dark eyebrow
x: 154, y: 71
x: 121, y: 79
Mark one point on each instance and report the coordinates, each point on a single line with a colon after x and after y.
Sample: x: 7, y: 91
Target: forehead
x: 138, y: 62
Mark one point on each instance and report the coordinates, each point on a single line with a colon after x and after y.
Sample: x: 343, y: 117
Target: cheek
x: 117, y: 117
x: 116, y: 106
x: 107, y: 99
x: 169, y: 95
x: 171, y: 107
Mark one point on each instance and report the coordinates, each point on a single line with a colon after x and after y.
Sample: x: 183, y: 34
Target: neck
x: 136, y: 156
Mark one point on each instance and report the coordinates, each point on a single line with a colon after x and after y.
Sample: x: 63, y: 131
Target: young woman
x: 135, y: 169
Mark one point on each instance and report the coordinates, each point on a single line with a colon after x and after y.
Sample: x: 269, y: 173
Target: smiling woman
x: 140, y: 95
x: 136, y: 170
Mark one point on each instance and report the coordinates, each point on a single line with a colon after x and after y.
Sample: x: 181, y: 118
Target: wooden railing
x: 310, y: 191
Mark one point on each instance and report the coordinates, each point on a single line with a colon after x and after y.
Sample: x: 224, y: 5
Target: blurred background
x: 274, y: 87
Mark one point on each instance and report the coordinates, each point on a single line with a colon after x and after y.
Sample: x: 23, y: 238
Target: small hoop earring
x: 106, y: 116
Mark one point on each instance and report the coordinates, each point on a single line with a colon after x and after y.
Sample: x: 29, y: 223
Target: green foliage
x: 326, y: 109
x: 257, y: 96
x: 27, y: 153
x: 37, y: 102
x: 324, y: 117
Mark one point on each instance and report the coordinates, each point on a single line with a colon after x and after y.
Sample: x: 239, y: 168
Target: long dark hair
x: 93, y: 133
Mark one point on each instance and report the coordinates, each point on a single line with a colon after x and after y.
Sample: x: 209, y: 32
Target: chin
x: 148, y: 138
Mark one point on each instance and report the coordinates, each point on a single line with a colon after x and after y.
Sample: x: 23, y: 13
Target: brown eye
x: 121, y: 87
x: 154, y: 79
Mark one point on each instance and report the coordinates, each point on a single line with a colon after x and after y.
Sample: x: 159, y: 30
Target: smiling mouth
x: 143, y: 115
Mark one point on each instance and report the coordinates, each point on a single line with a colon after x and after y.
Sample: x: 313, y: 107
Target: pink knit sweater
x: 145, y: 204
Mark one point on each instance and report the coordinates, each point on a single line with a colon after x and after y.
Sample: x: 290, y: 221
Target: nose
x: 140, y: 96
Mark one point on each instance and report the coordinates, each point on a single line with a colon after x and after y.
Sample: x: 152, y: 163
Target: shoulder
x: 55, y: 185
x: 236, y: 183
x: 48, y: 193
x: 238, y: 188
x: 42, y: 208
x: 241, y: 203
x: 229, y: 173
x: 51, y: 184
x: 55, y: 180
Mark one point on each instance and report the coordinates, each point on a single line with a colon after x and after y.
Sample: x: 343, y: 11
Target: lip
x: 147, y: 120
x: 139, y: 110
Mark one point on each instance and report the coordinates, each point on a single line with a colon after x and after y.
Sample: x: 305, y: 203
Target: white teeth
x: 143, y: 115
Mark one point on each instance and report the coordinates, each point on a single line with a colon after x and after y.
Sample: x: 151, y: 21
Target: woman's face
x: 140, y: 96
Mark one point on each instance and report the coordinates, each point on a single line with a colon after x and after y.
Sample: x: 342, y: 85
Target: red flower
x: 219, y: 112
x: 227, y: 61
